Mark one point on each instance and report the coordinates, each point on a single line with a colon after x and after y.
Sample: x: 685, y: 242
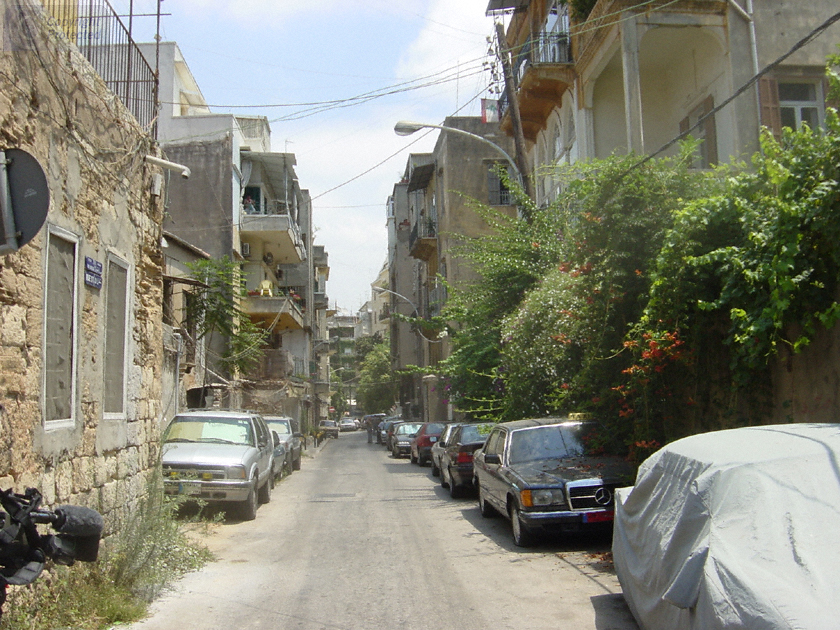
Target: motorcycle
x: 24, y: 550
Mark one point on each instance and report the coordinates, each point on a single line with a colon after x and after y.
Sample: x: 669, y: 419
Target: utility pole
x: 513, y: 100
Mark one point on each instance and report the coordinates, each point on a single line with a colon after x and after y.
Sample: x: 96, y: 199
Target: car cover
x: 734, y: 529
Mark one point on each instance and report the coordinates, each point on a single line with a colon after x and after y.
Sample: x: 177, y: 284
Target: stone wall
x: 54, y: 106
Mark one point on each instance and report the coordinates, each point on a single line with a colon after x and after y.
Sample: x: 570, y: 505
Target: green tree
x: 214, y: 309
x: 377, y: 387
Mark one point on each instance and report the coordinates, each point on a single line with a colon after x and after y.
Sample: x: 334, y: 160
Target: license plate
x: 432, y: 439
x: 189, y: 487
x: 598, y: 517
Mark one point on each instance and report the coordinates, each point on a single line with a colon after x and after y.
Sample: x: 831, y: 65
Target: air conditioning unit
x: 246, y: 250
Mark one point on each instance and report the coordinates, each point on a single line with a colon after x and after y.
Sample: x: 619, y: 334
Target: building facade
x: 80, y: 315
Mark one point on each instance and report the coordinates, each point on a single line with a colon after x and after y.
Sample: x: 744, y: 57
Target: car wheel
x: 296, y: 463
x: 435, y: 469
x: 522, y: 536
x: 248, y: 507
x: 455, y: 491
x: 264, y: 493
x: 487, y: 510
x: 421, y: 461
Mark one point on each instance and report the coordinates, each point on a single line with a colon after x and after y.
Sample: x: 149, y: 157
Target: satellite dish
x: 24, y: 199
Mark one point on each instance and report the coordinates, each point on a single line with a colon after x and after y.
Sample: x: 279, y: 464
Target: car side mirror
x: 275, y: 438
x: 492, y: 458
x: 413, y: 435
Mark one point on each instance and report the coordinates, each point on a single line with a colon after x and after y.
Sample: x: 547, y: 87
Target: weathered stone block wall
x: 54, y: 106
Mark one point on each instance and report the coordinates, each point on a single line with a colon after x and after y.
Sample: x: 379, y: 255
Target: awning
x: 420, y: 177
x: 495, y: 6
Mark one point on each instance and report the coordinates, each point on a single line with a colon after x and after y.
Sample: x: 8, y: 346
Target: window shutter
x: 768, y: 94
x: 710, y: 131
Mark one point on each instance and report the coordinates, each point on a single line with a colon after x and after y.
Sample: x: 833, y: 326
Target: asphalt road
x: 357, y: 540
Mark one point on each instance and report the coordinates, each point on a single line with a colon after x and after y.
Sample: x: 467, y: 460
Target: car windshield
x: 475, y: 432
x: 549, y: 442
x: 407, y: 429
x: 282, y: 428
x: 210, y: 429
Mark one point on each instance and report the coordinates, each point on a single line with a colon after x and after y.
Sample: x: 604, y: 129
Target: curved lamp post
x: 406, y: 128
x: 416, y: 311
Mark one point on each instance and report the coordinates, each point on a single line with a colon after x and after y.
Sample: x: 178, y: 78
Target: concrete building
x: 245, y: 202
x: 430, y: 213
x: 80, y: 315
x: 631, y: 78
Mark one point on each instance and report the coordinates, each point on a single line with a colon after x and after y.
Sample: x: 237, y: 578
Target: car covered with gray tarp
x: 734, y: 529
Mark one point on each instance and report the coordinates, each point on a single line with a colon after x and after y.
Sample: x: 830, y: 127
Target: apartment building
x: 630, y: 76
x: 244, y: 201
x: 431, y: 212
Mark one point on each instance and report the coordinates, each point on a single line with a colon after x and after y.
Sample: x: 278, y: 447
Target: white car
x: 220, y: 457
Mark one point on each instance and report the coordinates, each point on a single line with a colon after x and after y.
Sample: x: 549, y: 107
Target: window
x: 60, y: 327
x: 116, y: 313
x: 498, y: 193
x: 800, y: 103
x: 706, y: 132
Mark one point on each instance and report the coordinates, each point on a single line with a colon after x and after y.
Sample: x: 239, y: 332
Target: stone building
x: 80, y: 304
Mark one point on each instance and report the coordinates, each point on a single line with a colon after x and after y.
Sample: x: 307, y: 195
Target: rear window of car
x: 549, y: 442
x: 406, y: 429
x: 209, y: 429
x: 282, y: 428
x: 434, y: 427
x: 474, y: 433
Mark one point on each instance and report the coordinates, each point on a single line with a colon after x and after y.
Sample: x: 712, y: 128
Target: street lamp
x: 416, y: 311
x: 406, y: 128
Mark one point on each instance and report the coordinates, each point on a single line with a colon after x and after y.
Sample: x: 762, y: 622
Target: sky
x: 298, y: 62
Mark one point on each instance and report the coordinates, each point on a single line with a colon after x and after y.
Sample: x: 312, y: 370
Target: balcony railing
x: 424, y: 228
x: 545, y: 48
x: 103, y: 39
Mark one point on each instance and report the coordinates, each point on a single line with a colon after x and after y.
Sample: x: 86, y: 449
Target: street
x: 357, y: 540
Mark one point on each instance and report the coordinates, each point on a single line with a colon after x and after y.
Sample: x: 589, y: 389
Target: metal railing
x: 104, y: 40
x: 424, y: 228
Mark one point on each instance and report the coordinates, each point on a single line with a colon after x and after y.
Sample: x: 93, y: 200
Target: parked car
x: 347, y: 424
x: 732, y: 529
x: 440, y: 445
x: 290, y: 437
x: 537, y: 473
x: 401, y: 438
x: 329, y: 428
x: 421, y: 443
x: 220, y: 457
x: 389, y: 433
x: 384, y: 427
x: 456, y: 462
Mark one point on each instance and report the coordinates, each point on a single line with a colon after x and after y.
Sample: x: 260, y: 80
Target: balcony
x: 543, y: 71
x: 422, y: 242
x: 321, y: 300
x: 267, y: 308
x: 273, y: 224
x: 276, y: 364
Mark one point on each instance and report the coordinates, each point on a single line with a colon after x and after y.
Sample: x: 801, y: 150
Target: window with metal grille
x: 116, y: 312
x: 60, y: 328
x: 498, y: 193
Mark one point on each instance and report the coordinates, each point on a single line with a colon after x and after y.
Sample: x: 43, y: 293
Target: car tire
x: 522, y: 536
x: 455, y: 491
x: 421, y: 461
x: 296, y: 463
x: 487, y: 510
x: 248, y: 508
x: 435, y: 469
x: 264, y: 493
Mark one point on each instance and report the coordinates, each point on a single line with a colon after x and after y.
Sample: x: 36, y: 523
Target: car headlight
x: 542, y: 497
x: 235, y: 472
